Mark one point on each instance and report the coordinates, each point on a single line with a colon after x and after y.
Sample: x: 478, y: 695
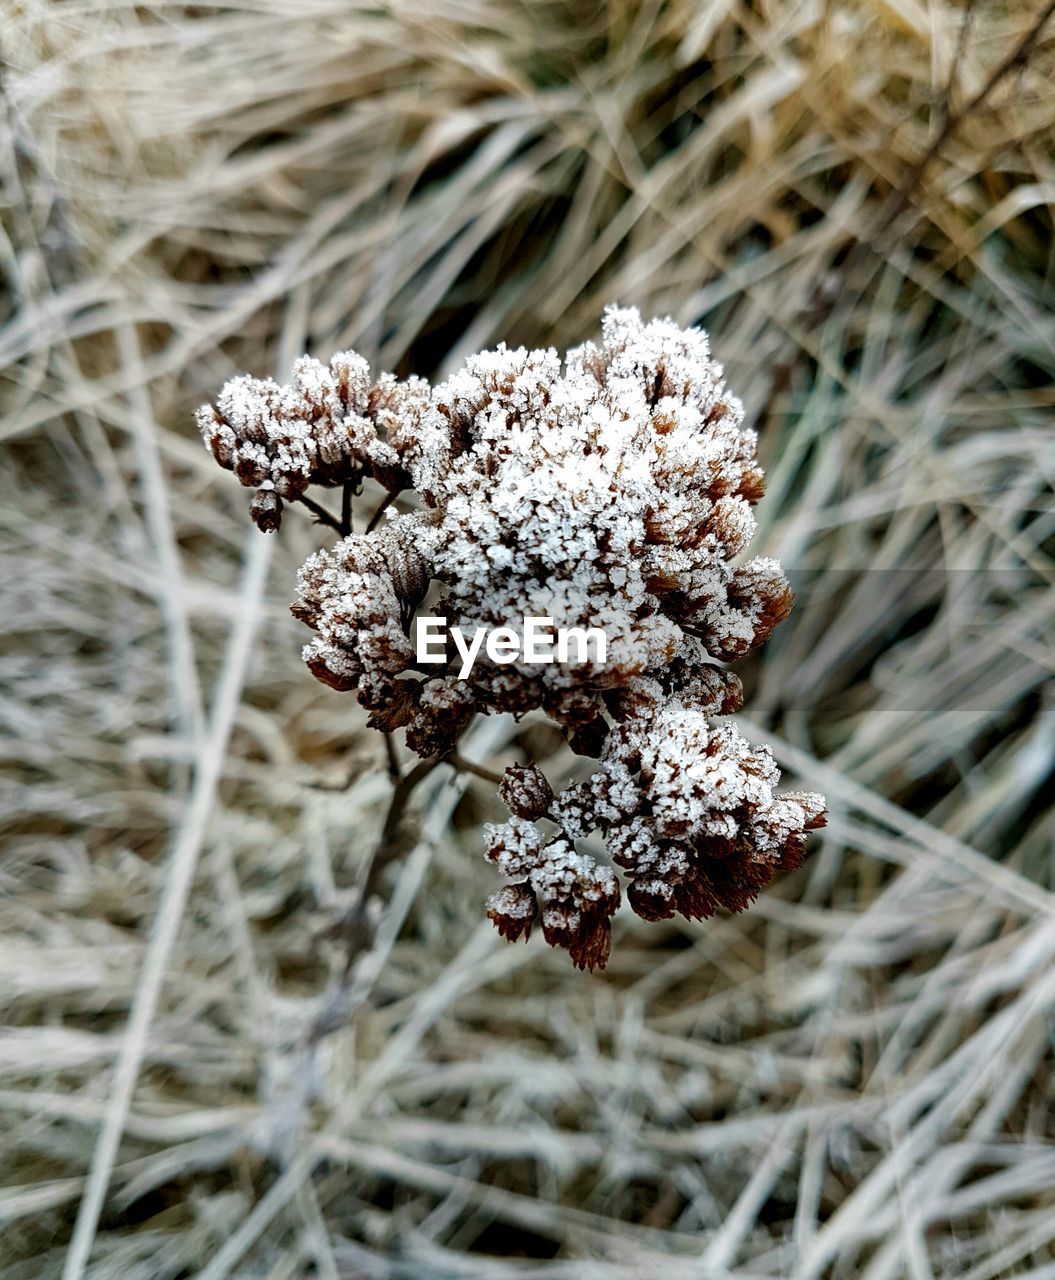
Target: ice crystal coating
x: 614, y: 491
x: 325, y: 426
x: 690, y: 812
x: 526, y: 791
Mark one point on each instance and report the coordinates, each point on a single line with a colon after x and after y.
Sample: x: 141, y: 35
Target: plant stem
x: 394, y: 769
x: 389, y: 498
x: 951, y: 120
x: 321, y: 514
x: 459, y: 762
x: 358, y: 932
x: 356, y: 926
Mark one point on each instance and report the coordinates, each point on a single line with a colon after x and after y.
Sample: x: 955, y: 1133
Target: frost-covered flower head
x: 612, y: 491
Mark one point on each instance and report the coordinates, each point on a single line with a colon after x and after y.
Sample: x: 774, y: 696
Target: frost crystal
x: 615, y: 492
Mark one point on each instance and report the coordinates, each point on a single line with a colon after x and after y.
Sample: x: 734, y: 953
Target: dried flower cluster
x: 687, y: 809
x: 615, y: 492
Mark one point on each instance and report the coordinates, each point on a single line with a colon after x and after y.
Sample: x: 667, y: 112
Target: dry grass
x: 854, y: 1080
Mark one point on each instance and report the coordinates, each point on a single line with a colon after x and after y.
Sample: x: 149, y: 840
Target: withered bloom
x: 615, y: 492
x: 326, y: 426
x: 526, y: 791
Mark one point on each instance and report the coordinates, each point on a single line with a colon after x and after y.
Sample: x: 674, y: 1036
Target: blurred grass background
x: 852, y: 1080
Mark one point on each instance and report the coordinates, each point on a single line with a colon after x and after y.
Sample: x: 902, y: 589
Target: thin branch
x: 388, y: 845
x: 390, y: 497
x: 460, y: 763
x: 395, y: 770
x: 356, y: 926
x: 957, y: 57
x: 321, y: 515
x: 952, y: 121
x: 346, y: 508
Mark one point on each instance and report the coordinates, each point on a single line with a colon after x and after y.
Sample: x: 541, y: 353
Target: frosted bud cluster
x: 613, y: 490
x: 687, y: 809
